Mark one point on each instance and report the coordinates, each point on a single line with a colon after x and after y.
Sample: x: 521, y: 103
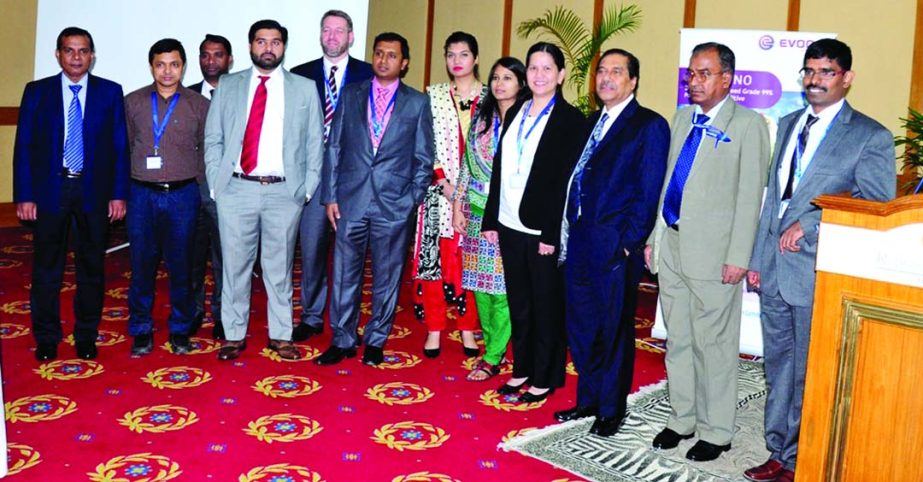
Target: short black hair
x: 634, y: 65
x: 725, y: 55
x: 75, y: 32
x: 165, y: 45
x: 217, y: 39
x: 393, y: 37
x: 267, y: 24
x: 337, y: 13
x: 467, y: 39
x: 832, y: 49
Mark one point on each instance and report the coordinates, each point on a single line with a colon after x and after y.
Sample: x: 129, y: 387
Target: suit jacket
x: 543, y: 199
x: 302, y: 139
x: 620, y: 188
x: 398, y: 175
x: 856, y: 156
x: 721, y: 199
x: 356, y: 71
x: 39, y: 151
x: 197, y: 87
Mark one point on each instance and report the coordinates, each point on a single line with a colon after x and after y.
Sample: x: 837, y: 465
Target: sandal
x: 487, y: 369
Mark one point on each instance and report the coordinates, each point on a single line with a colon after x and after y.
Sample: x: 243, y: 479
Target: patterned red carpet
x: 168, y: 417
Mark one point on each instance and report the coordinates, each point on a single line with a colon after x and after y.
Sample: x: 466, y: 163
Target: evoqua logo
x: 766, y: 42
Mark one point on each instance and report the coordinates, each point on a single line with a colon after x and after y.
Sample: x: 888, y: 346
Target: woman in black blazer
x: 541, y: 141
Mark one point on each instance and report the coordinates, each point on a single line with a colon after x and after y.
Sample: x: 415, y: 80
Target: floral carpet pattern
x: 258, y: 418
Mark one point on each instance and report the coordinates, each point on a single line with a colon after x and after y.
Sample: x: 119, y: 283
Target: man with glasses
x: 708, y: 213
x: 826, y: 148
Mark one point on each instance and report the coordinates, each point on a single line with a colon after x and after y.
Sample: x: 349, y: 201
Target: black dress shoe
x: 180, y: 344
x: 704, y: 451
x: 334, y: 355
x: 86, y: 350
x: 218, y: 331
x: 575, y: 413
x: 532, y: 398
x: 143, y: 345
x: 432, y: 352
x: 507, y: 389
x: 606, y: 426
x: 196, y: 323
x: 304, y: 331
x: 668, y: 439
x: 373, y: 355
x: 471, y: 352
x: 46, y: 351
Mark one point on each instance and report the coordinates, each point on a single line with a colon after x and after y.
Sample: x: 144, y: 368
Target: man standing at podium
x: 826, y: 148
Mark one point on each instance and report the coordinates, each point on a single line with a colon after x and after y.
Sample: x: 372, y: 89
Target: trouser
x: 207, y: 246
x: 432, y: 297
x: 494, y: 314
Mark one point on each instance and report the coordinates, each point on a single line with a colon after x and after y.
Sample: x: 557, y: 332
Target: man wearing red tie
x: 262, y: 163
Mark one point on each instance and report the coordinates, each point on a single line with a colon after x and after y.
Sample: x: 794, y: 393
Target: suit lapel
x: 91, y: 112
x: 361, y: 106
x: 397, y: 112
x: 57, y: 105
x: 617, y: 125
x: 838, y: 130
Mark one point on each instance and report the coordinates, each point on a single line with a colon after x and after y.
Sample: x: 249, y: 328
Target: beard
x: 335, y: 52
x: 270, y: 62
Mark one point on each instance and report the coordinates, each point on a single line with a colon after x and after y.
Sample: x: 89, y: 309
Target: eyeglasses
x: 807, y: 73
x: 703, y: 75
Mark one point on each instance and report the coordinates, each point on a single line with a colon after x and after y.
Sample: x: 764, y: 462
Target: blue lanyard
x: 159, y: 127
x: 495, y: 142
x: 378, y: 124
x: 520, y: 140
x: 334, y: 98
x: 798, y: 169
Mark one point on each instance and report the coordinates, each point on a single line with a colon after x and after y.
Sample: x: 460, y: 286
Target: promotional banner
x: 767, y: 80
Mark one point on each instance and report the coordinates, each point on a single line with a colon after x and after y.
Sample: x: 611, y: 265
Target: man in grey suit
x: 263, y: 154
x: 826, y: 148
x: 701, y: 243
x: 379, y: 162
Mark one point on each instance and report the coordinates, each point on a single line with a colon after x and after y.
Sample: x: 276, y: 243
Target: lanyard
x: 495, y: 142
x: 799, y: 170
x: 159, y: 128
x: 378, y: 124
x: 520, y: 140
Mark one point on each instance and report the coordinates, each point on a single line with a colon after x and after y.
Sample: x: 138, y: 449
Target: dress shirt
x: 269, y: 156
x: 181, y: 147
x: 513, y: 185
x: 67, y: 95
x: 338, y: 75
x: 818, y: 132
x: 391, y: 91
x: 207, y: 89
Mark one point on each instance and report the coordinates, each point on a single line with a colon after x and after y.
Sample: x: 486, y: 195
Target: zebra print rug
x: 628, y: 456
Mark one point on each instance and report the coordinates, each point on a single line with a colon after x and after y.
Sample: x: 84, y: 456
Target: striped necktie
x: 330, y: 101
x: 73, y: 146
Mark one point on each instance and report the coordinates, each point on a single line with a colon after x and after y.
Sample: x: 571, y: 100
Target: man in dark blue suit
x: 70, y: 176
x: 611, y: 208
x: 329, y: 73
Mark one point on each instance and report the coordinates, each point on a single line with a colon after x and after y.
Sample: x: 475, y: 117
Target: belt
x: 674, y: 226
x: 260, y: 179
x: 165, y: 186
x: 67, y: 173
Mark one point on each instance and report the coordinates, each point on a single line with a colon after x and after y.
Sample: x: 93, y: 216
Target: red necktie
x: 254, y: 126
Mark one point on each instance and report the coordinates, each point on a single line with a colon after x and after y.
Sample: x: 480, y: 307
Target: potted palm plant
x: 581, y: 44
x: 913, y: 150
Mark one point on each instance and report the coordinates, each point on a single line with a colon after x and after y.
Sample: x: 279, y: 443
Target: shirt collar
x: 341, y: 65
x: 391, y: 88
x: 617, y: 109
x: 714, y: 110
x: 255, y: 74
x: 66, y: 82
x: 826, y: 115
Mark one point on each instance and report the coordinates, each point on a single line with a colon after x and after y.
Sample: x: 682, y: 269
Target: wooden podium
x: 863, y: 403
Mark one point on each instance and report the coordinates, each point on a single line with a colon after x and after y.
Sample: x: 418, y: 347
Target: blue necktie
x: 673, y: 199
x: 73, y: 146
x: 572, y: 211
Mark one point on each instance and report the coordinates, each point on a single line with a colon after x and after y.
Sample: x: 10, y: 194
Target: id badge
x: 518, y: 181
x: 154, y: 162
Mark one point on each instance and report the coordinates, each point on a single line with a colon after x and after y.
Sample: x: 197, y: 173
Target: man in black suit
x: 215, y: 60
x: 70, y: 177
x: 377, y: 166
x: 329, y: 73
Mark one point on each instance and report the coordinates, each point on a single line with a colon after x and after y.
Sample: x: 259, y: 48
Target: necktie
x: 572, y: 211
x: 381, y: 104
x: 673, y: 199
x: 73, y: 146
x: 251, y: 146
x: 329, y: 101
x: 796, y: 156
x: 211, y: 93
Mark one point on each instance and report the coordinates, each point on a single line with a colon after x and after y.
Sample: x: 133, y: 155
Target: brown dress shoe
x: 231, y: 349
x: 766, y: 472
x: 285, y: 349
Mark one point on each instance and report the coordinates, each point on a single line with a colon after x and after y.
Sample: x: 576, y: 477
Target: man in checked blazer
x: 844, y: 151
x: 701, y: 246
x: 377, y: 166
